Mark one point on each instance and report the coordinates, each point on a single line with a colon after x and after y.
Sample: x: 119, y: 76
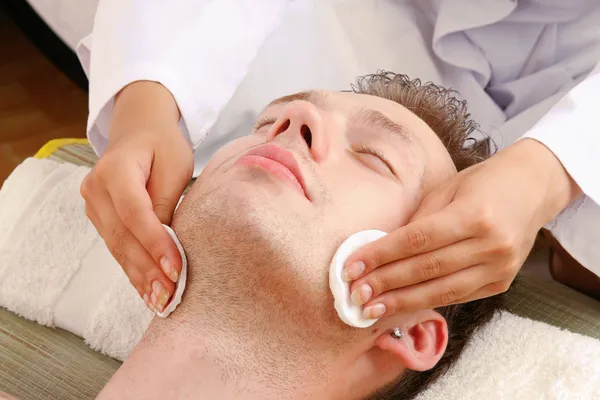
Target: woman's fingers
x: 429, y: 233
x: 416, y: 269
x: 145, y: 276
x: 434, y: 293
x: 134, y: 208
x: 138, y: 265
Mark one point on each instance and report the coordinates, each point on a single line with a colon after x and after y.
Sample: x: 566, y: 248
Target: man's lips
x: 278, y: 161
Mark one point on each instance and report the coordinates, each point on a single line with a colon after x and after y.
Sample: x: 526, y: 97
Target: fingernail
x: 353, y: 271
x: 162, y: 299
x: 153, y: 299
x: 361, y: 294
x: 374, y: 311
x: 147, y: 301
x: 160, y: 295
x: 157, y: 289
x: 168, y: 269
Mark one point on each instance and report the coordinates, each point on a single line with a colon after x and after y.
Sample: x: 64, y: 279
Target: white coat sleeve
x: 199, y: 50
x: 571, y: 130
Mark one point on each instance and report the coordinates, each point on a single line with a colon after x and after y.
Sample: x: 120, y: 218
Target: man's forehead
x: 312, y: 96
x: 321, y: 98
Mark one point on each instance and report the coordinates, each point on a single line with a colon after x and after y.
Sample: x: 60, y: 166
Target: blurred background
x: 42, y: 86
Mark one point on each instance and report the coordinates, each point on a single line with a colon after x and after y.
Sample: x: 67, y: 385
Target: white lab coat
x: 224, y: 59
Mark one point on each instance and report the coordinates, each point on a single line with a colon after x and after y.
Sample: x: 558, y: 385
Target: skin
x: 257, y: 320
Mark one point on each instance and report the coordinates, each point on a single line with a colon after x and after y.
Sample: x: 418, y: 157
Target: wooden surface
x: 37, y: 102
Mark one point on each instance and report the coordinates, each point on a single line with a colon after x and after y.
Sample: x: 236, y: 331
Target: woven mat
x: 42, y: 363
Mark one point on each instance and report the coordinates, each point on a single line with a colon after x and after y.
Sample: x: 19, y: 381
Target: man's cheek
x: 366, y: 205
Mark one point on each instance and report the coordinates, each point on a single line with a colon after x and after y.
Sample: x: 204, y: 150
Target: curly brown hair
x: 448, y: 117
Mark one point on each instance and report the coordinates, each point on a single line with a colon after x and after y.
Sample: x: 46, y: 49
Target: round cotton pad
x: 180, y: 285
x: 348, y: 312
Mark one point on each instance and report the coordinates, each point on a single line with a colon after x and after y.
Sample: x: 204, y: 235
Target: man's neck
x: 252, y: 324
x: 181, y: 364
x: 237, y: 351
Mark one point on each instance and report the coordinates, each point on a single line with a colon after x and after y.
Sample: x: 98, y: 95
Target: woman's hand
x: 468, y: 239
x: 135, y: 186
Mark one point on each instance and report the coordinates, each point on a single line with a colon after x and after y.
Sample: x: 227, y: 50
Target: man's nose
x: 305, y: 121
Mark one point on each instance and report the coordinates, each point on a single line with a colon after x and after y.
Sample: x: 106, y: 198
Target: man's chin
x: 257, y: 244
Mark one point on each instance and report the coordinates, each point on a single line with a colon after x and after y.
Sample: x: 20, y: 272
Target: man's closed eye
x: 375, y: 160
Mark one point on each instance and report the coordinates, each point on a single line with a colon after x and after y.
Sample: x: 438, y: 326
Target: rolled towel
x: 519, y: 359
x: 44, y: 238
x: 18, y: 188
x: 54, y: 267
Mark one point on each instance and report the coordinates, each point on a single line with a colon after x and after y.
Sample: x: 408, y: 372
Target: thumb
x: 165, y: 186
x: 435, y: 202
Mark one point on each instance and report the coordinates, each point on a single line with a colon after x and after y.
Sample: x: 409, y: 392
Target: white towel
x: 510, y: 358
x: 43, y: 237
x: 54, y: 267
x: 514, y: 358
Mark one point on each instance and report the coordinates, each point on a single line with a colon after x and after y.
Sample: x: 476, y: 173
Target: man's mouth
x: 279, y: 162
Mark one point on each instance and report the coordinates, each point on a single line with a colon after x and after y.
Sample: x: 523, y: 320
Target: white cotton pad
x: 348, y: 312
x: 180, y: 285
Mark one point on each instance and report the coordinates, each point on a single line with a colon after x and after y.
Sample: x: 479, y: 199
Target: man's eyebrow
x: 379, y: 120
x: 314, y: 97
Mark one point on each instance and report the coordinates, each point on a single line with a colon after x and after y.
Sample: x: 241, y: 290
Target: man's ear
x: 424, y: 339
x: 383, y: 358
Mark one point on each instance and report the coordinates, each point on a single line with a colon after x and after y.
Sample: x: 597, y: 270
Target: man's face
x: 318, y: 167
